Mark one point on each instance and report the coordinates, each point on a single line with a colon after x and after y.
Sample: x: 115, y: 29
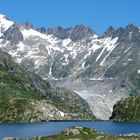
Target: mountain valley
x: 100, y: 69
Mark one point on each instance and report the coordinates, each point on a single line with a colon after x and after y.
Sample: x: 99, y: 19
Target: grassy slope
x: 18, y: 87
x: 14, y: 97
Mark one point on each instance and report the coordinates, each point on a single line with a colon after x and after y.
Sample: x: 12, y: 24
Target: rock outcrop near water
x: 127, y: 110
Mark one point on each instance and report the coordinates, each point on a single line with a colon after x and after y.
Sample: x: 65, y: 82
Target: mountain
x: 127, y: 109
x: 102, y: 69
x: 25, y: 96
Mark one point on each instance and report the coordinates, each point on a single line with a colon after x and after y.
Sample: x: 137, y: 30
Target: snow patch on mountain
x: 65, y: 42
x: 21, y: 47
x: 31, y: 32
x: 109, y: 44
x: 27, y: 33
x: 100, y: 54
x: 66, y: 59
x: 138, y: 71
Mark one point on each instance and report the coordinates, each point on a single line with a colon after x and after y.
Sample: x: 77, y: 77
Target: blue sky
x: 98, y: 14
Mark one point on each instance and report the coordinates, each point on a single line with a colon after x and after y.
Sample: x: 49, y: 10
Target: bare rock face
x: 71, y: 132
x: 13, y: 35
x: 59, y: 32
x: 81, y: 31
x: 101, y: 95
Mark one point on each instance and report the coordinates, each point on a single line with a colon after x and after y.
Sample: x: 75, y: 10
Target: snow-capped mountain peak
x: 59, y: 52
x: 4, y: 24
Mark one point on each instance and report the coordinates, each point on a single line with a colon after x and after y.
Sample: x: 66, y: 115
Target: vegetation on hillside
x: 127, y: 109
x: 18, y: 88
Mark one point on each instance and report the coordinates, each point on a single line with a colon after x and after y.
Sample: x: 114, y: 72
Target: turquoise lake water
x: 28, y: 130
